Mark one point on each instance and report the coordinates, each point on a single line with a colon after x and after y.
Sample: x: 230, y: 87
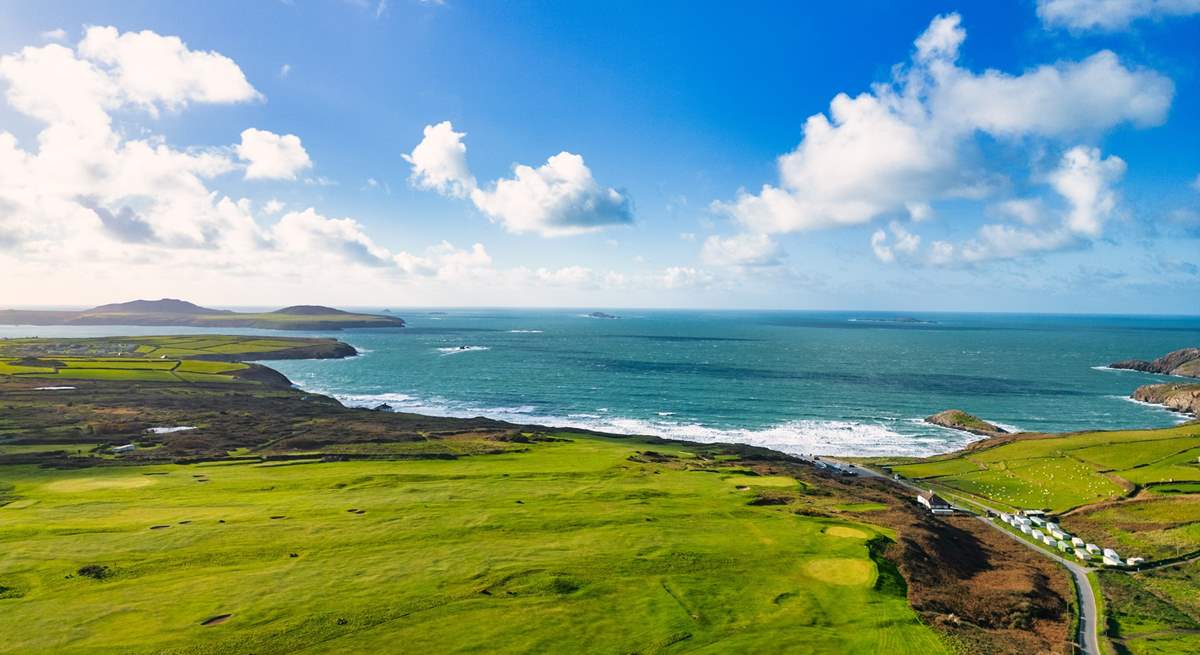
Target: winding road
x: 1089, y: 621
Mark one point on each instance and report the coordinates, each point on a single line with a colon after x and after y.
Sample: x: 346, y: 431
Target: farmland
x: 1137, y: 491
x: 202, y: 358
x: 1059, y: 473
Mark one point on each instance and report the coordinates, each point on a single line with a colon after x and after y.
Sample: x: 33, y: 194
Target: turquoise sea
x: 802, y: 382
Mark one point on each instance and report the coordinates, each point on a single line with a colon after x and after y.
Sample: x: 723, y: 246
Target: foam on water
x: 798, y: 437
x: 461, y: 349
x: 1178, y: 416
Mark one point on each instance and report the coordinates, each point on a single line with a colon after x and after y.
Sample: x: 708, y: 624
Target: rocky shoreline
x: 1183, y: 398
x: 1184, y: 362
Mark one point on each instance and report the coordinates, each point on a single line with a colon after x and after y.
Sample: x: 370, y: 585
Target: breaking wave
x: 797, y: 437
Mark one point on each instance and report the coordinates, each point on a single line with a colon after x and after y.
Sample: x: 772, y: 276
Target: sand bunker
x: 843, y: 531
x: 97, y: 484
x: 844, y: 572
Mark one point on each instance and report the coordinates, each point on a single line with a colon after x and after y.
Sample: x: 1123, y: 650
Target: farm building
x: 124, y: 449
x: 934, y: 503
x: 1082, y: 554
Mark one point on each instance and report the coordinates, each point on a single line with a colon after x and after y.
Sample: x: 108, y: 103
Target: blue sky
x: 1066, y: 179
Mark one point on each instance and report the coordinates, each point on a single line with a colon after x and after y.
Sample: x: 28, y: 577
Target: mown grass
x: 562, y: 547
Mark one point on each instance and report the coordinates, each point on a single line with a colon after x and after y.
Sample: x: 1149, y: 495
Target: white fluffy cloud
x: 151, y: 69
x: 741, y: 250
x: 905, y: 144
x: 56, y: 34
x: 1109, y: 15
x: 560, y: 197
x: 272, y: 156
x: 90, y: 195
x: 439, y: 162
x: 903, y: 242
x: 1084, y: 180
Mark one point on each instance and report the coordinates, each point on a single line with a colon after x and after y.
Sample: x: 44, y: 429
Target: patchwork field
x: 1068, y: 471
x: 185, y: 358
x: 1154, y: 612
x: 580, y: 546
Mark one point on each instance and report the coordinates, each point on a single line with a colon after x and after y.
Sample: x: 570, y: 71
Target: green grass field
x: 182, y: 358
x: 1067, y: 471
x: 567, y: 547
x: 1156, y: 612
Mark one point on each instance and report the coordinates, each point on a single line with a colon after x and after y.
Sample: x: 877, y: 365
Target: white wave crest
x: 525, y: 331
x: 462, y: 349
x: 797, y: 437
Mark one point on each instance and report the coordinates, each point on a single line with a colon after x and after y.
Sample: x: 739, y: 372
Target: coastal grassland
x: 195, y: 347
x: 183, y: 358
x: 1062, y: 472
x: 588, y: 544
x: 1153, y: 612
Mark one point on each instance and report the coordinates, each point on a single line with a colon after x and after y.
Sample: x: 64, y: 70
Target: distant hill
x: 1184, y: 362
x: 181, y: 313
x: 164, y: 306
x: 308, y: 310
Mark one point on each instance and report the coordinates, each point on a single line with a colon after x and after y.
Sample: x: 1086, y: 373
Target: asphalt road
x: 1089, y: 623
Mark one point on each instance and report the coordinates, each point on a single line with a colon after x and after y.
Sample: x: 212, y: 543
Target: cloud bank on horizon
x: 100, y: 195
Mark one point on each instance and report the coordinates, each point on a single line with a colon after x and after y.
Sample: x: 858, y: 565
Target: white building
x: 1048, y: 540
x: 1036, y: 534
x: 1093, y: 549
x: 1077, y: 542
x: 127, y: 448
x: 1134, y: 561
x: 1082, y: 554
x: 1026, y: 529
x: 1111, y: 554
x: 934, y: 503
x: 1111, y: 561
x: 1064, y: 546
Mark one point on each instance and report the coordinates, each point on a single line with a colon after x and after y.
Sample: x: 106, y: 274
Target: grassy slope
x: 567, y: 547
x: 1067, y: 471
x: 1152, y: 613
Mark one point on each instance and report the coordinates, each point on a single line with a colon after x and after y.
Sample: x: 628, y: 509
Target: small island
x: 173, y: 312
x: 602, y: 315
x: 957, y: 419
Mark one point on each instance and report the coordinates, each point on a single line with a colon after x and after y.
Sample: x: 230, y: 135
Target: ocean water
x: 801, y: 382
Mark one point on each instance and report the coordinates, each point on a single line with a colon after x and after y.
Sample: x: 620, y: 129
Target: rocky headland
x: 1184, y: 362
x: 959, y: 420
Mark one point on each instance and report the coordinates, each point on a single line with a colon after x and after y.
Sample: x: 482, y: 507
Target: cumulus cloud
x: 902, y: 242
x: 560, y: 197
x: 1110, y: 15
x: 1084, y: 180
x: 56, y: 34
x: 683, y: 277
x: 557, y: 198
x: 908, y: 143
x: 439, y: 162
x: 152, y: 70
x: 741, y: 250
x: 90, y: 195
x: 271, y: 156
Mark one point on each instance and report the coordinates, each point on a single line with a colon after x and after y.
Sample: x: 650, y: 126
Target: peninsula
x: 181, y: 313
